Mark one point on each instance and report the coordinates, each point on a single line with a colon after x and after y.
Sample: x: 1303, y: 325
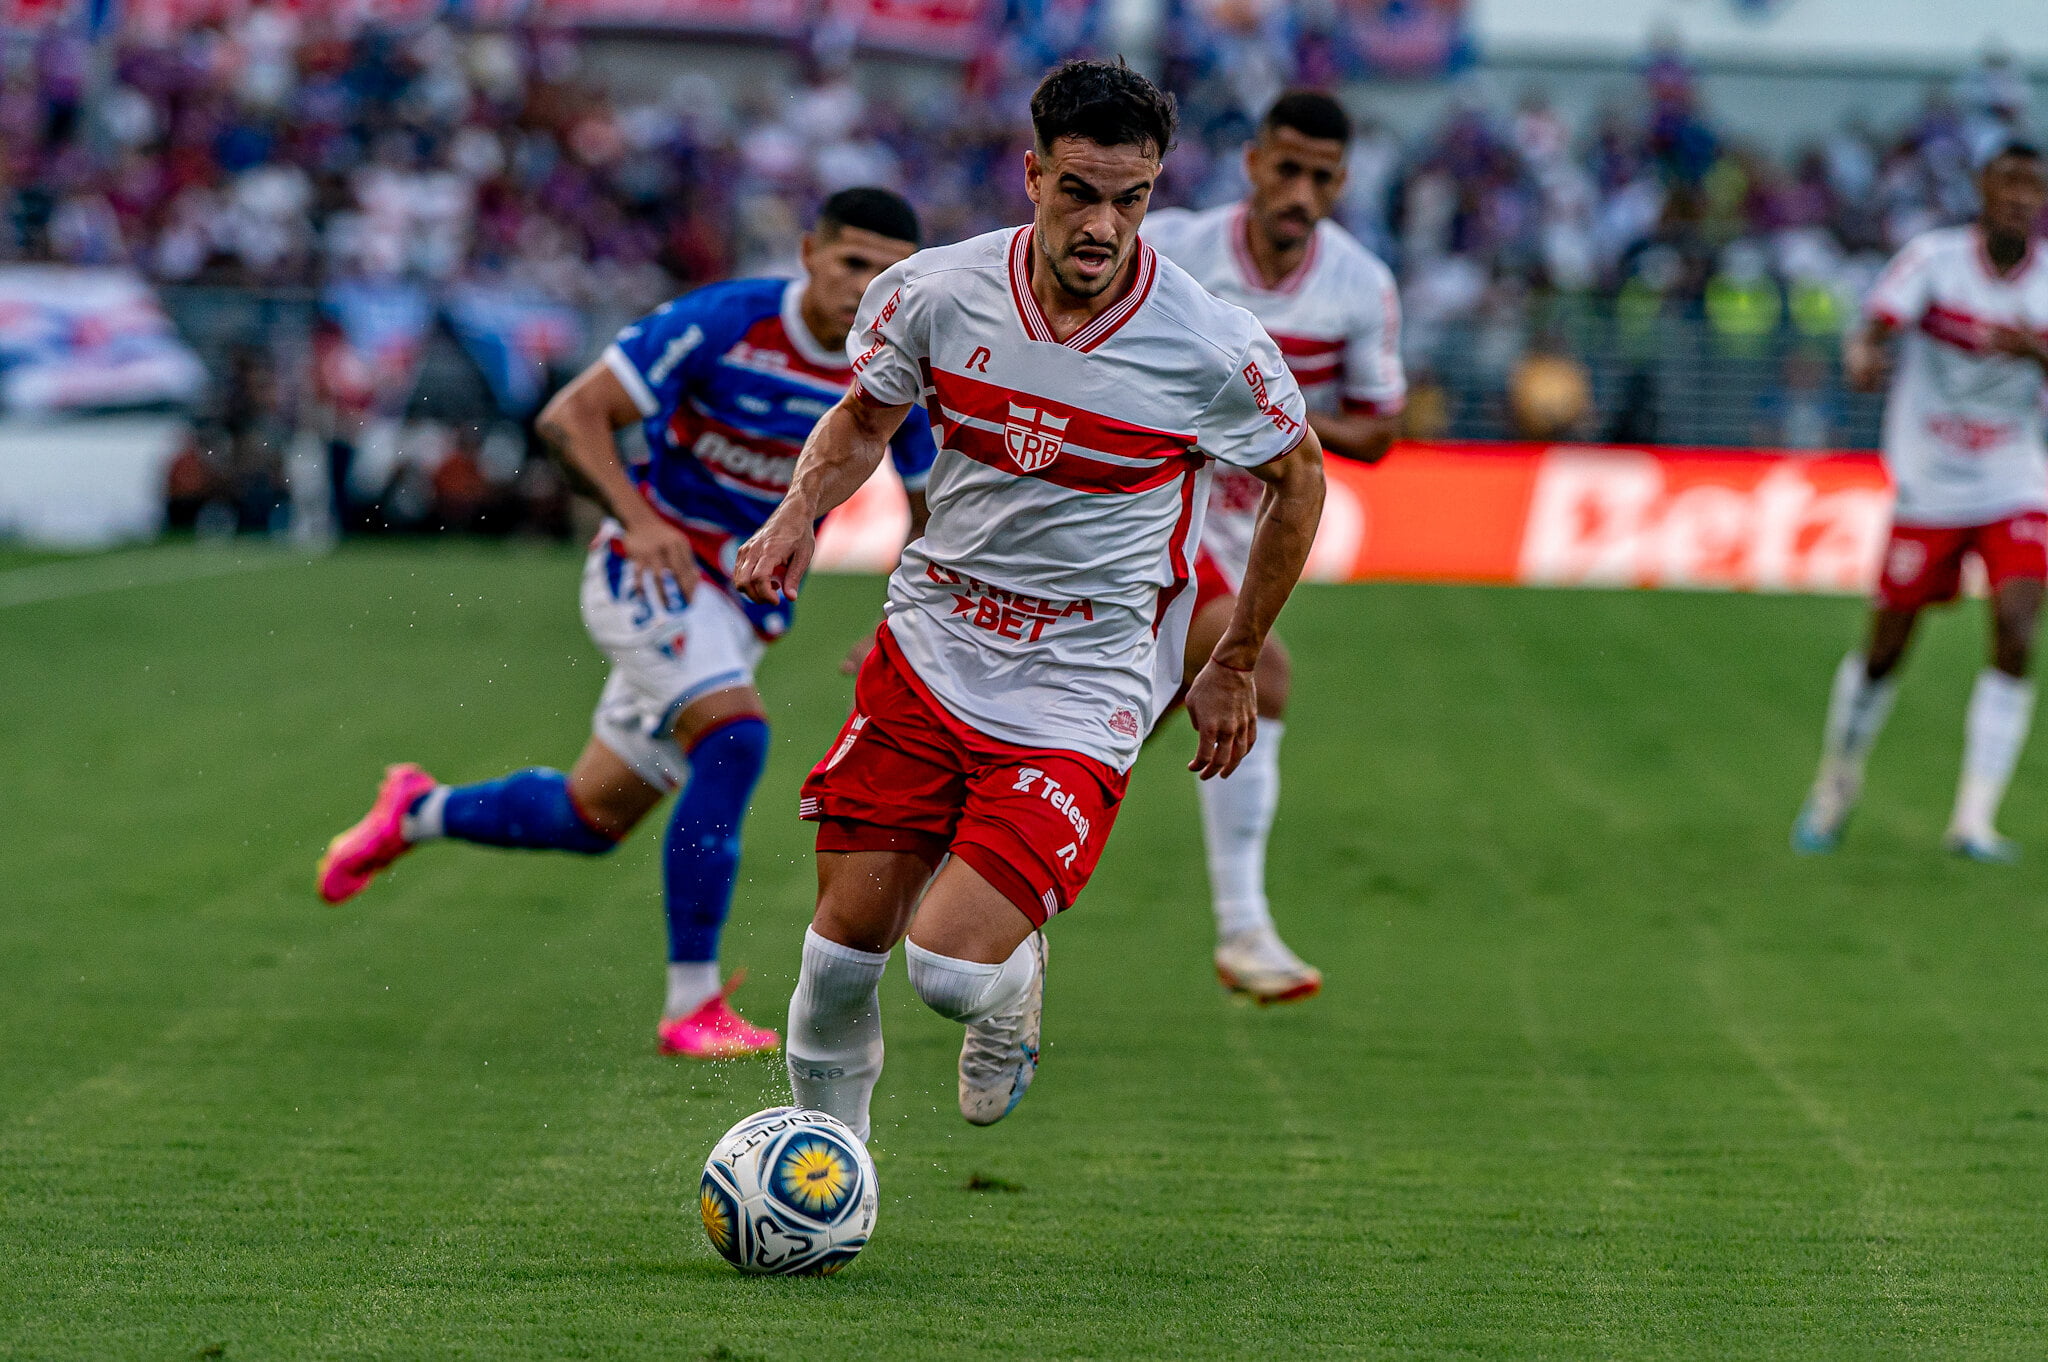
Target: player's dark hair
x: 1310, y: 113
x: 2025, y: 151
x: 1106, y: 102
x: 871, y: 210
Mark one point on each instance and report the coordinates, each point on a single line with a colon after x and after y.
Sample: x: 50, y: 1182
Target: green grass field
x: 1601, y: 1070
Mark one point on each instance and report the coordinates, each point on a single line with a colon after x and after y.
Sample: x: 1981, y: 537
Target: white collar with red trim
x: 1037, y: 328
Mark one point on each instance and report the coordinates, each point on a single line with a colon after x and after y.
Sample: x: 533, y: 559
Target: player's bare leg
x: 2000, y: 714
x: 1860, y: 701
x: 1237, y: 819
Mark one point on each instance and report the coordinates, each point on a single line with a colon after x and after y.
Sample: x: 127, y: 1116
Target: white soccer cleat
x: 999, y: 1058
x: 1984, y: 847
x: 1258, y: 964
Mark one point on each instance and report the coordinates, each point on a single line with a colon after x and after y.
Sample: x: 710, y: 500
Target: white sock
x: 691, y: 984
x: 2001, y: 711
x: 967, y: 990
x: 1857, y: 709
x: 1237, y: 815
x: 423, y: 824
x: 835, y: 1030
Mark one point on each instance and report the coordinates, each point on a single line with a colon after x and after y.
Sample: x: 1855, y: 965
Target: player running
x: 1331, y: 307
x: 1081, y: 385
x: 726, y: 382
x: 1963, y: 440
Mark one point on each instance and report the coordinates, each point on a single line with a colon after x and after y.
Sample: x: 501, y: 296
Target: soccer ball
x: 788, y: 1191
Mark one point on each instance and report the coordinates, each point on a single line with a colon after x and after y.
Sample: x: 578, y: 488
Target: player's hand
x: 660, y: 552
x: 771, y: 565
x: 1864, y: 364
x: 858, y: 653
x: 1223, y: 704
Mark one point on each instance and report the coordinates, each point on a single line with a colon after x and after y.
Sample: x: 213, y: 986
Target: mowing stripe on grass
x: 119, y: 571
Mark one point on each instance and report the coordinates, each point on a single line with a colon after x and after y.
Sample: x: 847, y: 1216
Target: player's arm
x: 1866, y: 353
x: 1355, y: 435
x: 1223, y: 701
x: 843, y: 452
x: 2020, y: 343
x: 579, y: 427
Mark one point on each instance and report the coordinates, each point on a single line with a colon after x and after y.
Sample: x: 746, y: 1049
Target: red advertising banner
x: 1551, y: 515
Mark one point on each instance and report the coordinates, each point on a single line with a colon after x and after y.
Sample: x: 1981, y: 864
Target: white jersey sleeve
x: 889, y: 342
x: 1374, y: 381
x: 1258, y: 414
x: 1900, y: 296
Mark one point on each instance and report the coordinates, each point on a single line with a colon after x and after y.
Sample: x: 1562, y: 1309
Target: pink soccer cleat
x: 354, y: 858
x: 715, y: 1031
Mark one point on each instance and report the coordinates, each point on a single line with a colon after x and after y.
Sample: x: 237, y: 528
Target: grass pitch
x: 1601, y: 1070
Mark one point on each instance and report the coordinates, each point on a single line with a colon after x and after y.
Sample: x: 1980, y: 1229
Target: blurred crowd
x: 277, y: 152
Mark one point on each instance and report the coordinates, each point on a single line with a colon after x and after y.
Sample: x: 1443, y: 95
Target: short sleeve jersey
x: 729, y: 382
x: 1336, y: 319
x: 1963, y: 424
x: 1046, y: 604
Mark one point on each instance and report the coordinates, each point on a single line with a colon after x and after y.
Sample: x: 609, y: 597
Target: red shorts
x: 1211, y: 582
x: 1923, y: 565
x: 906, y: 775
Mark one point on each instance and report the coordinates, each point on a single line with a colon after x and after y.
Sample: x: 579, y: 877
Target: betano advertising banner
x: 1550, y: 515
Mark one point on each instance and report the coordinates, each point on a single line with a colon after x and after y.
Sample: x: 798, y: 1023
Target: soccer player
x: 726, y: 382
x: 1330, y: 305
x: 1963, y: 440
x: 1080, y: 387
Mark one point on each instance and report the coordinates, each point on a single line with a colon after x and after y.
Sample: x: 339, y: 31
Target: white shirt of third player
x: 1963, y: 425
x: 1336, y: 319
x: 1048, y: 602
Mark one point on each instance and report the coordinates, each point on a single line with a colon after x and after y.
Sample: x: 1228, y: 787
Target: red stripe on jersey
x: 1955, y: 327
x: 1314, y: 370
x: 1306, y: 347
x: 767, y: 343
x: 965, y: 396
x: 1177, y: 555
x: 1360, y: 406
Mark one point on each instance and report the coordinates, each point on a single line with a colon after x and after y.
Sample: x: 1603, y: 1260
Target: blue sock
x: 529, y: 808
x: 703, y: 854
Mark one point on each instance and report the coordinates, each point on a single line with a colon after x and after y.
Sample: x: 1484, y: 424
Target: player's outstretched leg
x: 700, y: 863
x: 531, y: 809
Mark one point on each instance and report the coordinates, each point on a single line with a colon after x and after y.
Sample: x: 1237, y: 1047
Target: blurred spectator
x: 1550, y: 394
x: 1804, y: 409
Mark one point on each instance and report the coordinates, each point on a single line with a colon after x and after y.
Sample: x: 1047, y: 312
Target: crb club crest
x: 1034, y: 437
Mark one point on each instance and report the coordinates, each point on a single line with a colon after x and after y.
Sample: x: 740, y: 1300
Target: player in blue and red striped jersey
x: 727, y: 383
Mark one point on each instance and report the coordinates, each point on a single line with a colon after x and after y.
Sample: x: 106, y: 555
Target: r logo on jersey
x: 1034, y: 437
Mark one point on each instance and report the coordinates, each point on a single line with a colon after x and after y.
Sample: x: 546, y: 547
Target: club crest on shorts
x: 1034, y: 436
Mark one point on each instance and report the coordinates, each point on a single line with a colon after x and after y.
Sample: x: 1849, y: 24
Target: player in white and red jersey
x: 1081, y: 388
x: 1331, y: 306
x: 1963, y: 440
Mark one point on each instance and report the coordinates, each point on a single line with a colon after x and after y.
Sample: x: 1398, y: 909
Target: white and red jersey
x: 1046, y: 604
x: 1963, y: 425
x: 1336, y: 319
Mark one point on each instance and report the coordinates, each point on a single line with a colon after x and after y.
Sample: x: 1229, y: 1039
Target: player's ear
x: 1032, y: 170
x: 807, y: 250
